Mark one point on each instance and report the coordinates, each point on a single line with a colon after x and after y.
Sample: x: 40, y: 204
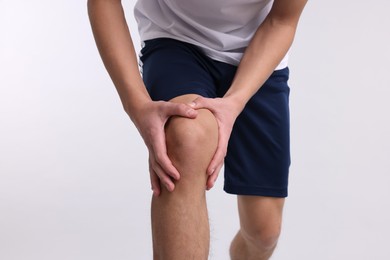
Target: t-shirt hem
x: 226, y: 59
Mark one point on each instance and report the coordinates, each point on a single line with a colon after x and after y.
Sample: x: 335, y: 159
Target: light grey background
x: 73, y: 175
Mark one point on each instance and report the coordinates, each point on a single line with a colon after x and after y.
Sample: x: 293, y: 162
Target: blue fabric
x: 258, y: 158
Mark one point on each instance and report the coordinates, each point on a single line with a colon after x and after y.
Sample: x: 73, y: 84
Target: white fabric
x: 222, y: 28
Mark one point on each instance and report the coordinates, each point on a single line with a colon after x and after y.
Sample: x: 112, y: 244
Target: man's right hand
x: 117, y: 51
x: 150, y: 121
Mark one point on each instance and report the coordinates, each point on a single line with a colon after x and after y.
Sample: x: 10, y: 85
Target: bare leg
x: 260, y: 225
x: 180, y: 225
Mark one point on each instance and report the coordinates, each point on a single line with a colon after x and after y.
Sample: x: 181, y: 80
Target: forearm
x: 266, y: 50
x: 116, y: 48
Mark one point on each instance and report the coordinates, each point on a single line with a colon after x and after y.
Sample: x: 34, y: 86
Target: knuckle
x: 181, y: 106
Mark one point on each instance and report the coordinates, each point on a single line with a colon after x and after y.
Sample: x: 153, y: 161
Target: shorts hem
x: 256, y: 191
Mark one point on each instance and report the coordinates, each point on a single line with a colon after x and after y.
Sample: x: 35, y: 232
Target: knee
x: 188, y: 139
x: 262, y: 237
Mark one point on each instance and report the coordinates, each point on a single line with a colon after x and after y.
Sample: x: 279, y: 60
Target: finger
x: 180, y: 109
x: 220, y: 153
x: 212, y: 178
x: 217, y: 160
x: 155, y: 182
x: 164, y: 178
x: 200, y: 102
x: 161, y: 157
x: 166, y: 166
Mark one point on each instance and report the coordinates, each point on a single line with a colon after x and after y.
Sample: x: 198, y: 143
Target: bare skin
x: 260, y: 226
x: 116, y: 48
x: 174, y: 135
x: 179, y: 218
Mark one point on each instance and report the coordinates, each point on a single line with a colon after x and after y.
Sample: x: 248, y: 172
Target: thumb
x: 179, y: 109
x: 199, y: 102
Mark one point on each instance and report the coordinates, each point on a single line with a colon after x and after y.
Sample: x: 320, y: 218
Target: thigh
x: 172, y: 68
x: 258, y: 156
x: 260, y: 214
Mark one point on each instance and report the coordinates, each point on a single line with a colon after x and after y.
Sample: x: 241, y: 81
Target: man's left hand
x: 225, y: 111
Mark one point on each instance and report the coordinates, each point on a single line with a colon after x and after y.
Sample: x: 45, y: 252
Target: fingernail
x: 192, y: 104
x: 211, y: 172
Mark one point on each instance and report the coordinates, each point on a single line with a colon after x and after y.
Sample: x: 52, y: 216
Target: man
x: 214, y: 90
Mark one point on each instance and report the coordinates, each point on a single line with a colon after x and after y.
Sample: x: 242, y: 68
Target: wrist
x: 134, y: 106
x: 237, y: 102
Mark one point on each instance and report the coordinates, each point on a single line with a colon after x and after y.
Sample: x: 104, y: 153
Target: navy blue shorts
x: 258, y: 156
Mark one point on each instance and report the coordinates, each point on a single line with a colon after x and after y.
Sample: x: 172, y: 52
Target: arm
x: 267, y: 48
x: 116, y: 48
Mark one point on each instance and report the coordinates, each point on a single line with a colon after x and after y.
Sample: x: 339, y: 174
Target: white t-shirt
x: 221, y: 28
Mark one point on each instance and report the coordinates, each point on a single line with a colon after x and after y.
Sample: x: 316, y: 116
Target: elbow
x: 286, y: 14
x: 286, y: 22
